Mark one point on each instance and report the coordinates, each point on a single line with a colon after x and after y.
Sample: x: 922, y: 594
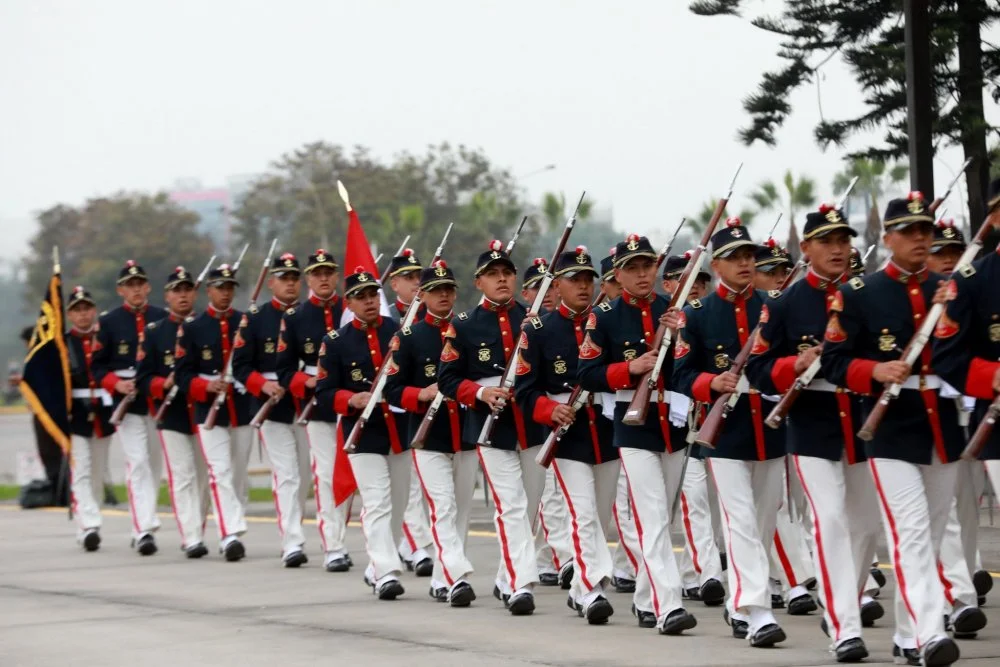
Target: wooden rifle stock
x: 420, y: 437
x: 780, y: 410
x: 548, y: 451
x: 978, y: 440
x: 122, y: 408
x: 264, y: 411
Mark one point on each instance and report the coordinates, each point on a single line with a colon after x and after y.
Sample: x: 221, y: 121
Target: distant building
x: 213, y: 206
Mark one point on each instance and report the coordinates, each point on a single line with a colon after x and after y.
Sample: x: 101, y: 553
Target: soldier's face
x: 945, y: 259
x: 769, y: 280
x: 612, y: 288
x: 496, y: 283
x: 910, y: 246
x: 830, y: 254
x: 82, y: 316
x: 405, y: 285
x: 737, y: 270
x: 440, y: 300
x: 134, y: 291
x: 180, y: 299
x: 365, y: 304
x: 285, y: 287
x: 322, y: 281
x: 576, y: 291
x: 698, y: 289
x: 637, y: 276
x: 221, y: 296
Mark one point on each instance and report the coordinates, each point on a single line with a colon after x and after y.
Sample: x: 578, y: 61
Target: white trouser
x: 516, y: 488
x: 788, y: 556
x: 915, y: 500
x: 652, y: 481
x: 589, y: 492
x: 416, y: 525
x: 88, y: 462
x: 749, y: 495
x: 959, y: 557
x: 700, y: 560
x: 286, y: 484
x: 223, y: 449
x: 187, y: 480
x: 384, y: 483
x: 626, y: 558
x: 330, y: 519
x: 448, y: 482
x: 553, y: 546
x: 845, y: 530
x: 143, y: 467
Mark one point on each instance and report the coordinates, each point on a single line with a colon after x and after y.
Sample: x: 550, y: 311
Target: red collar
x: 569, y: 314
x: 638, y: 301
x: 174, y: 317
x: 729, y: 294
x: 132, y: 309
x: 280, y: 306
x: 896, y: 273
x: 497, y: 307
x: 439, y: 322
x: 358, y: 324
x: 400, y: 306
x: 218, y: 314
x: 819, y: 282
x: 316, y: 301
x: 83, y: 334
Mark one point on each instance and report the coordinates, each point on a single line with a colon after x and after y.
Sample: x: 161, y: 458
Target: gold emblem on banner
x: 886, y: 343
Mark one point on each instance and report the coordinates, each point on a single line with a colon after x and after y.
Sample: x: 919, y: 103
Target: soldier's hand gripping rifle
x: 378, y: 386
x: 169, y: 398
x: 638, y: 408
x: 507, y: 378
x: 978, y: 440
x: 420, y: 437
x: 227, y: 376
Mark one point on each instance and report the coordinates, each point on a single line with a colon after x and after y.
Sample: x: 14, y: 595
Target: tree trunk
x: 793, y: 241
x: 970, y: 102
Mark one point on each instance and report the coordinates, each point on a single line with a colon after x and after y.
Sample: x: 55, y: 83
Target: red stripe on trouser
x: 320, y: 522
x: 212, y: 484
x: 948, y: 595
x: 501, y: 529
x: 786, y: 564
x: 638, y: 530
x: 409, y: 539
x: 823, y: 569
x: 900, y: 579
x: 545, y: 535
x: 689, y: 532
x: 433, y: 509
x: 131, y: 498
x: 170, y: 485
x: 729, y: 529
x: 274, y: 488
x: 621, y: 540
x: 576, y: 527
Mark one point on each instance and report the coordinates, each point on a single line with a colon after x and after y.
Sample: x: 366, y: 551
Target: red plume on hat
x: 440, y: 264
x: 733, y: 221
x: 613, y: 251
x: 539, y: 261
x: 287, y: 255
x: 359, y: 269
x: 178, y: 269
x: 687, y: 254
x: 496, y: 245
x: 826, y: 207
x: 130, y: 262
x: 320, y: 251
x: 78, y: 288
x: 770, y: 243
x: 581, y: 250
x: 949, y: 222
x: 406, y: 252
x: 914, y: 195
x: 632, y: 237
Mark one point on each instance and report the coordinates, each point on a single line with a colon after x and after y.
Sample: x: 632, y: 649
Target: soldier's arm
x: 245, y: 357
x: 329, y: 389
x: 185, y: 366
x: 398, y: 390
x: 952, y: 356
x: 146, y: 379
x: 528, y: 391
x: 688, y: 378
x: 453, y: 369
x: 839, y: 361
x: 596, y: 372
x: 287, y: 360
x: 768, y: 369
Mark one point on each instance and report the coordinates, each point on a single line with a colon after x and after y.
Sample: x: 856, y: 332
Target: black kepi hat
x: 495, y: 254
x: 358, y: 281
x: 770, y: 256
x: 321, y: 258
x: 675, y: 265
x: 404, y: 262
x: 131, y: 270
x: 222, y: 275
x: 901, y: 213
x: 947, y: 234
x: 79, y: 295
x: 608, y: 266
x: 572, y: 262
x: 826, y: 220
x: 633, y: 246
x: 437, y: 275
x: 731, y: 238
x: 533, y: 274
x: 179, y: 276
x: 287, y: 263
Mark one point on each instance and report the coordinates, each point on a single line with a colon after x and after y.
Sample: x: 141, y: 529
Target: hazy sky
x: 637, y: 101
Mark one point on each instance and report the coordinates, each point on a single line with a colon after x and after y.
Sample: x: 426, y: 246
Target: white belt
x: 930, y: 382
x: 743, y: 389
x: 270, y: 375
x: 819, y: 384
x: 562, y: 397
x: 309, y: 370
x: 625, y: 396
x: 126, y: 373
x: 492, y: 381
x: 101, y: 394
x: 240, y: 387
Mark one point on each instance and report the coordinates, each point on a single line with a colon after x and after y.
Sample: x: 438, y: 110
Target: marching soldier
x: 586, y: 467
x: 857, y: 263
x: 912, y: 453
x: 404, y: 279
x: 255, y: 365
x: 187, y: 475
x: 609, y: 284
x: 824, y: 452
x: 773, y: 265
x: 532, y: 281
x: 349, y: 360
x: 90, y: 429
x: 478, y: 344
x: 204, y: 344
x: 746, y: 462
x: 616, y: 352
x: 303, y: 330
x: 444, y: 467
x: 120, y: 334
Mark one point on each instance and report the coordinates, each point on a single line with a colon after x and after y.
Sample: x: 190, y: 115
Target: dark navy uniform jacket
x: 479, y: 343
x: 89, y: 416
x: 256, y: 359
x: 415, y: 366
x: 616, y: 333
x: 871, y: 322
x: 548, y: 366
x: 120, y: 334
x: 399, y: 312
x: 713, y: 333
x: 967, y: 339
x: 305, y: 327
x: 156, y: 364
x: 349, y: 360
x: 820, y: 423
x: 204, y: 343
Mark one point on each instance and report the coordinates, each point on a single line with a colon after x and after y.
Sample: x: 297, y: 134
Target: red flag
x: 344, y: 484
x: 358, y: 252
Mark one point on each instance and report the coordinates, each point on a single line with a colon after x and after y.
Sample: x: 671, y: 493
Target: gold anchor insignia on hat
x: 582, y: 258
x: 776, y: 251
x: 289, y: 262
x: 949, y: 233
x: 633, y: 244
x: 182, y: 274
x: 494, y: 255
x: 411, y: 259
x: 440, y: 272
x: 132, y: 270
x: 362, y: 277
x: 915, y: 206
x: 736, y: 233
x: 833, y: 215
x: 321, y: 257
x: 226, y: 273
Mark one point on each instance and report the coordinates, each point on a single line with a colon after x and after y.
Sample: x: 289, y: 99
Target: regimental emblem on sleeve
x: 357, y: 375
x: 765, y: 314
x: 123, y: 348
x: 448, y: 352
x: 450, y: 332
x: 589, y: 349
x: 430, y: 370
x: 483, y: 354
x: 946, y: 327
x: 320, y: 367
x: 834, y: 332
x: 760, y: 344
x: 206, y: 354
x: 269, y: 347
x: 591, y: 322
x: 951, y: 290
x: 722, y: 360
x: 681, y: 347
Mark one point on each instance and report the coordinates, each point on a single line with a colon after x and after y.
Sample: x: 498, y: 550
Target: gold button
x: 740, y: 329
x: 842, y: 415
x: 930, y: 411
x: 373, y: 351
x: 917, y: 316
x: 503, y: 319
x: 645, y: 314
x: 369, y: 336
x: 506, y: 349
x: 646, y: 333
x: 752, y: 411
x: 737, y: 309
x: 661, y: 417
x: 577, y: 328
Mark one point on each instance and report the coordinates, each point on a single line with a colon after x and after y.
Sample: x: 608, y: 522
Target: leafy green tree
x: 698, y: 223
x: 875, y: 179
x: 789, y: 199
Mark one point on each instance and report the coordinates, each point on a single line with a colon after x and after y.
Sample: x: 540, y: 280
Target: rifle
x: 508, y: 376
x: 916, y: 345
x: 172, y: 394
x: 227, y: 376
x: 579, y: 396
x: 420, y: 437
x: 639, y: 405
x: 978, y: 440
x: 378, y: 387
x: 937, y: 202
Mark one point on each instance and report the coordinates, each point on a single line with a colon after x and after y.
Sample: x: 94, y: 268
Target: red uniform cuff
x: 109, y: 382
x: 340, y: 402
x: 411, y: 400
x: 466, y: 394
x: 156, y: 387
x: 701, y: 390
x: 783, y: 374
x: 544, y: 408
x: 859, y: 375
x: 298, y: 384
x: 618, y: 376
x: 979, y: 381
x: 199, y: 390
x: 255, y: 382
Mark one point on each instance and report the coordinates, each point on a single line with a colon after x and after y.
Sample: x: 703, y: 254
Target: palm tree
x: 797, y: 194
x: 697, y: 223
x: 875, y: 178
x: 554, y: 210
